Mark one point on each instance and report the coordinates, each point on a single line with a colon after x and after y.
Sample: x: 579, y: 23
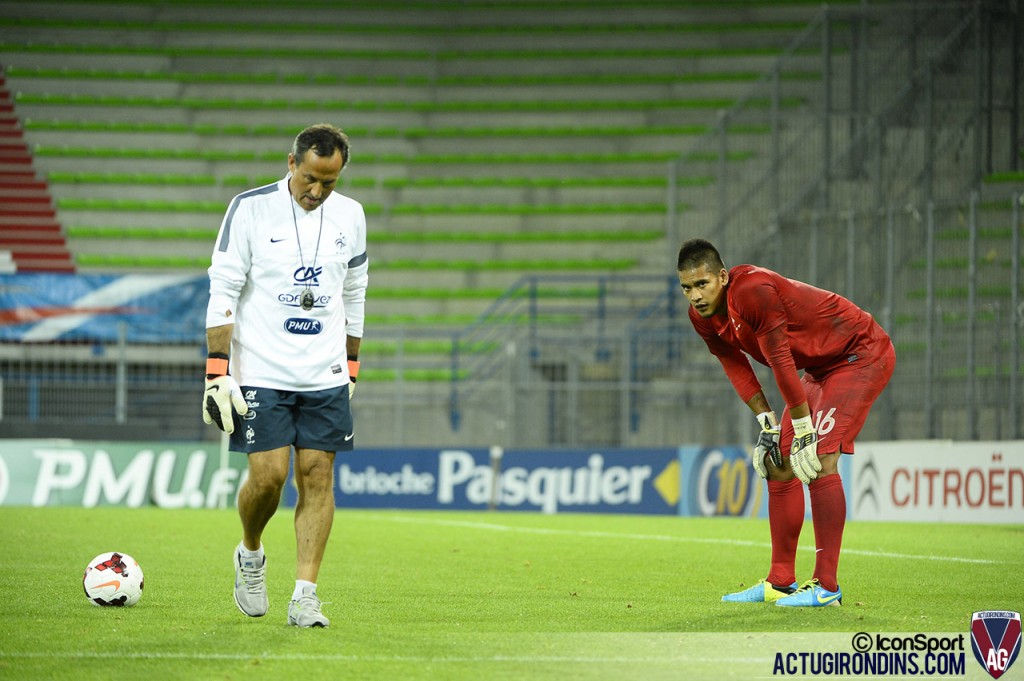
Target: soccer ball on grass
x: 113, y: 579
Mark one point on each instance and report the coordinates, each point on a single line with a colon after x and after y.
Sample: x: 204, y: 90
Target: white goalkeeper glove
x: 767, y: 443
x: 222, y: 394
x: 353, y: 371
x: 803, y: 456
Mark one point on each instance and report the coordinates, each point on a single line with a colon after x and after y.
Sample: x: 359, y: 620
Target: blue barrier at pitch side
x: 616, y: 481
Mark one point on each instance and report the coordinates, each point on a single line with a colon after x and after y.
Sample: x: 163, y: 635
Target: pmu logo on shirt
x: 995, y: 639
x: 303, y: 327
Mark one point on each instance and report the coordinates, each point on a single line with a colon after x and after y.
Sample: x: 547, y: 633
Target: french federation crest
x: 995, y: 640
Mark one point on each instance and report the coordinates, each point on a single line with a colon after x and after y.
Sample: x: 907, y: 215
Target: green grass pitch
x: 473, y: 595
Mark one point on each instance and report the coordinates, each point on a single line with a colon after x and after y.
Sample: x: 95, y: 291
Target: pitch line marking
x: 307, y: 657
x: 662, y: 537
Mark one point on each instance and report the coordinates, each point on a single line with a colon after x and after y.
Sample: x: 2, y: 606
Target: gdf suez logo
x: 995, y: 640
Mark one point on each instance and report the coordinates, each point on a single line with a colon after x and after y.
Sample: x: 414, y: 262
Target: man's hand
x: 803, y: 456
x: 767, y: 443
x: 221, y: 396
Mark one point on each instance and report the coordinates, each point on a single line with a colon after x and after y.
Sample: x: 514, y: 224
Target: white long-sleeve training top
x: 257, y: 278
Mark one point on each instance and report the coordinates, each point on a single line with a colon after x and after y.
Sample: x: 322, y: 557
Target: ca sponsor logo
x: 303, y: 327
x: 307, y: 275
x: 250, y: 395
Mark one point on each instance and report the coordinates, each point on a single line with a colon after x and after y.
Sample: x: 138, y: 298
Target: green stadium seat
x: 482, y: 150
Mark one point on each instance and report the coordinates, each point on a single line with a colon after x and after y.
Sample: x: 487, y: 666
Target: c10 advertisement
x: 720, y: 481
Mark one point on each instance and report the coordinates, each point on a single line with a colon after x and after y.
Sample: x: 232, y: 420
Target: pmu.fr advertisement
x: 131, y: 474
x: 939, y: 480
x: 548, y: 481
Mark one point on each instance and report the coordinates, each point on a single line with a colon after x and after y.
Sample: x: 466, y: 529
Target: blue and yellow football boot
x: 812, y: 594
x: 762, y: 592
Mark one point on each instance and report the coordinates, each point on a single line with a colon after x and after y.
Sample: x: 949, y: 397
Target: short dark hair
x: 324, y: 139
x: 697, y: 252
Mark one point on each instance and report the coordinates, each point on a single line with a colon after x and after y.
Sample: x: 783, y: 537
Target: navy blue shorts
x: 320, y: 419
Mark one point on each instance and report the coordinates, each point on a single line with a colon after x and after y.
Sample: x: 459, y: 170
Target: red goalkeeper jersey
x: 786, y: 325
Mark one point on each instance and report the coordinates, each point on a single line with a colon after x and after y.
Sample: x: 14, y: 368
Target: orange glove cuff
x: 216, y: 366
x: 353, y: 368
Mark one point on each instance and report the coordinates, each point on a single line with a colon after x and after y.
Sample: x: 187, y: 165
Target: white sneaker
x: 305, y: 612
x: 250, y: 584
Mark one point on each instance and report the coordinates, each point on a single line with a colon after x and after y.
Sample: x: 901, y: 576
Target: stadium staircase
x: 31, y: 239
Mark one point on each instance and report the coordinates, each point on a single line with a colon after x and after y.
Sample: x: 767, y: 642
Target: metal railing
x: 869, y: 105
x: 945, y: 281
x: 613, y: 361
x: 538, y: 311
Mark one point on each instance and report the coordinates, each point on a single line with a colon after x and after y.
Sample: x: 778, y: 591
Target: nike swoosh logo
x: 349, y: 436
x: 276, y: 241
x: 114, y: 583
x: 826, y: 599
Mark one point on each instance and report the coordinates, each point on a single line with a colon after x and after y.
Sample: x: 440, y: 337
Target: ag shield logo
x: 995, y: 640
x: 303, y: 327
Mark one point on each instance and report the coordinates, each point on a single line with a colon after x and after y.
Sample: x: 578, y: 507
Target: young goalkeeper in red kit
x: 846, y: 358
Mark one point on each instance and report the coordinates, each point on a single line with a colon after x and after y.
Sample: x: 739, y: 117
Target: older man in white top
x: 287, y: 281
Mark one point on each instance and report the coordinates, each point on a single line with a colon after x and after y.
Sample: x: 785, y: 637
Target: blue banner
x: 720, y: 481
x: 150, y: 308
x: 552, y: 481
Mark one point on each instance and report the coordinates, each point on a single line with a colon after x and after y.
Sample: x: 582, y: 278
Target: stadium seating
x: 488, y: 142
x: 491, y: 140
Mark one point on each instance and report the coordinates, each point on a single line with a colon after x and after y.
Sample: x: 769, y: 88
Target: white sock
x: 246, y: 553
x: 301, y: 584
